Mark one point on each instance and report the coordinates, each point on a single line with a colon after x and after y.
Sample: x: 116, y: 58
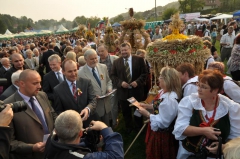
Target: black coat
x: 5, y: 136
x: 8, y: 92
x: 49, y: 82
x: 45, y: 57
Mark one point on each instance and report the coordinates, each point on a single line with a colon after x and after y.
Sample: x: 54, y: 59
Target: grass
x: 217, y: 46
x: 137, y: 151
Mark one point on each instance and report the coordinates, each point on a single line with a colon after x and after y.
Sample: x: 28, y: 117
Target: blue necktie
x: 96, y: 77
x: 59, y: 77
x: 40, y: 117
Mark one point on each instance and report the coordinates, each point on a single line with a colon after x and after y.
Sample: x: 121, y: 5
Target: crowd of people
x: 67, y: 84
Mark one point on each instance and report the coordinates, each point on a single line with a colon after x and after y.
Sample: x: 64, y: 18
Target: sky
x: 69, y: 9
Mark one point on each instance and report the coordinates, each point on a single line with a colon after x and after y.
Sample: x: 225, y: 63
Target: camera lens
x: 19, y: 106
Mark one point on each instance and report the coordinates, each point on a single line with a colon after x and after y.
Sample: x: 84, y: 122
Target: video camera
x: 16, y: 106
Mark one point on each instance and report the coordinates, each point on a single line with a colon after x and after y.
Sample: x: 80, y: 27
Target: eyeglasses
x: 200, y: 85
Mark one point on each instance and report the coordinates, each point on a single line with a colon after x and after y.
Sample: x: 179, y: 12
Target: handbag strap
x: 219, y: 150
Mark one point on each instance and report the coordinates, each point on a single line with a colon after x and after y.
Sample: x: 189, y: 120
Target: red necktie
x: 74, y: 91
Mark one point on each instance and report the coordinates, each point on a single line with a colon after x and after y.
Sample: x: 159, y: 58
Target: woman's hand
x: 144, y: 112
x: 211, y: 133
x: 146, y: 106
x: 213, y: 147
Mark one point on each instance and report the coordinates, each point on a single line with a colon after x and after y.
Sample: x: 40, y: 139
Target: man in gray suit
x: 107, y: 59
x: 30, y: 126
x: 75, y: 93
x: 14, y: 87
x: 102, y: 84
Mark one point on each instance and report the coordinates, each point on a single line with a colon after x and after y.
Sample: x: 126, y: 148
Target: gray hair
x: 81, y: 61
x: 71, y: 55
x: 29, y: 51
x: 89, y: 52
x: 35, y: 49
x: 15, y: 48
x: 68, y: 125
x: 4, y: 59
x: 15, y: 76
x: 86, y: 48
x: 53, y: 57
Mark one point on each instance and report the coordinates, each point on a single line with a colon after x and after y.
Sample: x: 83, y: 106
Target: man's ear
x: 81, y: 133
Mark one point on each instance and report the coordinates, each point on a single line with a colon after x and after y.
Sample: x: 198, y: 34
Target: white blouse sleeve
x: 167, y: 112
x: 232, y: 90
x: 189, y: 89
x: 183, y: 120
x: 234, y: 117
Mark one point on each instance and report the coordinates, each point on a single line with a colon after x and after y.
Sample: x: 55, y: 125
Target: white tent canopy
x: 200, y: 20
x: 8, y: 32
x: 61, y: 29
x: 222, y: 16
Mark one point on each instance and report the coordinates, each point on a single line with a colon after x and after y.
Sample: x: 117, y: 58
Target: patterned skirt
x: 160, y: 145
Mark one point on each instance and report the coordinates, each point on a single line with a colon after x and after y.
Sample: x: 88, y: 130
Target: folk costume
x: 160, y: 143
x: 191, y: 111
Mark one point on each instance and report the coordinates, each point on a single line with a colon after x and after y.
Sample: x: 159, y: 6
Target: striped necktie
x: 74, y: 91
x: 127, y: 69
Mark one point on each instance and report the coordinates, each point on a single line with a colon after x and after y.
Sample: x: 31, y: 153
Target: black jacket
x: 5, y: 135
x: 113, y: 148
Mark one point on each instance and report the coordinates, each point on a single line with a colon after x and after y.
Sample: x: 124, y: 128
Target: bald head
x: 29, y: 83
x: 26, y: 74
x: 17, y: 61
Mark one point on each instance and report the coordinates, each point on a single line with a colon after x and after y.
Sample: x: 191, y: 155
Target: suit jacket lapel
x: 122, y: 64
x: 89, y: 75
x: 54, y: 77
x: 100, y: 73
x: 68, y: 91
x: 29, y: 111
x: 44, y: 108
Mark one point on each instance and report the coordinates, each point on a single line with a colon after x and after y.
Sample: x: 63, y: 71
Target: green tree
x: 118, y: 18
x: 189, y: 6
x: 3, y: 26
x: 80, y: 20
x: 168, y: 13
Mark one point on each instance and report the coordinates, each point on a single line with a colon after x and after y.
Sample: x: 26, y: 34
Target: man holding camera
x: 66, y: 142
x: 5, y: 132
x: 30, y: 126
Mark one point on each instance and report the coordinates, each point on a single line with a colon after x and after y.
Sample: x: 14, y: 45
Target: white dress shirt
x: 60, y: 73
x: 129, y: 63
x: 226, y: 38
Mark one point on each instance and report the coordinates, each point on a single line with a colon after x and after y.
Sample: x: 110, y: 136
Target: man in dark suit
x: 54, y: 77
x: 14, y: 87
x: 46, y: 55
x: 129, y: 82
x: 5, y: 66
x: 17, y: 64
x: 75, y: 93
x: 30, y: 126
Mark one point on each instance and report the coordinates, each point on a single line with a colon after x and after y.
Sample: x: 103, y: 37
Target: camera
x: 16, y: 106
x: 91, y: 139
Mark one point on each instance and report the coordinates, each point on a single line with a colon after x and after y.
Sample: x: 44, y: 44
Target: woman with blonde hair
x: 160, y: 143
x: 71, y: 55
x: 231, y: 150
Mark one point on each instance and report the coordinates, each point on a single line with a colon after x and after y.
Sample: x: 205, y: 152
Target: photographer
x: 66, y: 142
x: 5, y: 131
